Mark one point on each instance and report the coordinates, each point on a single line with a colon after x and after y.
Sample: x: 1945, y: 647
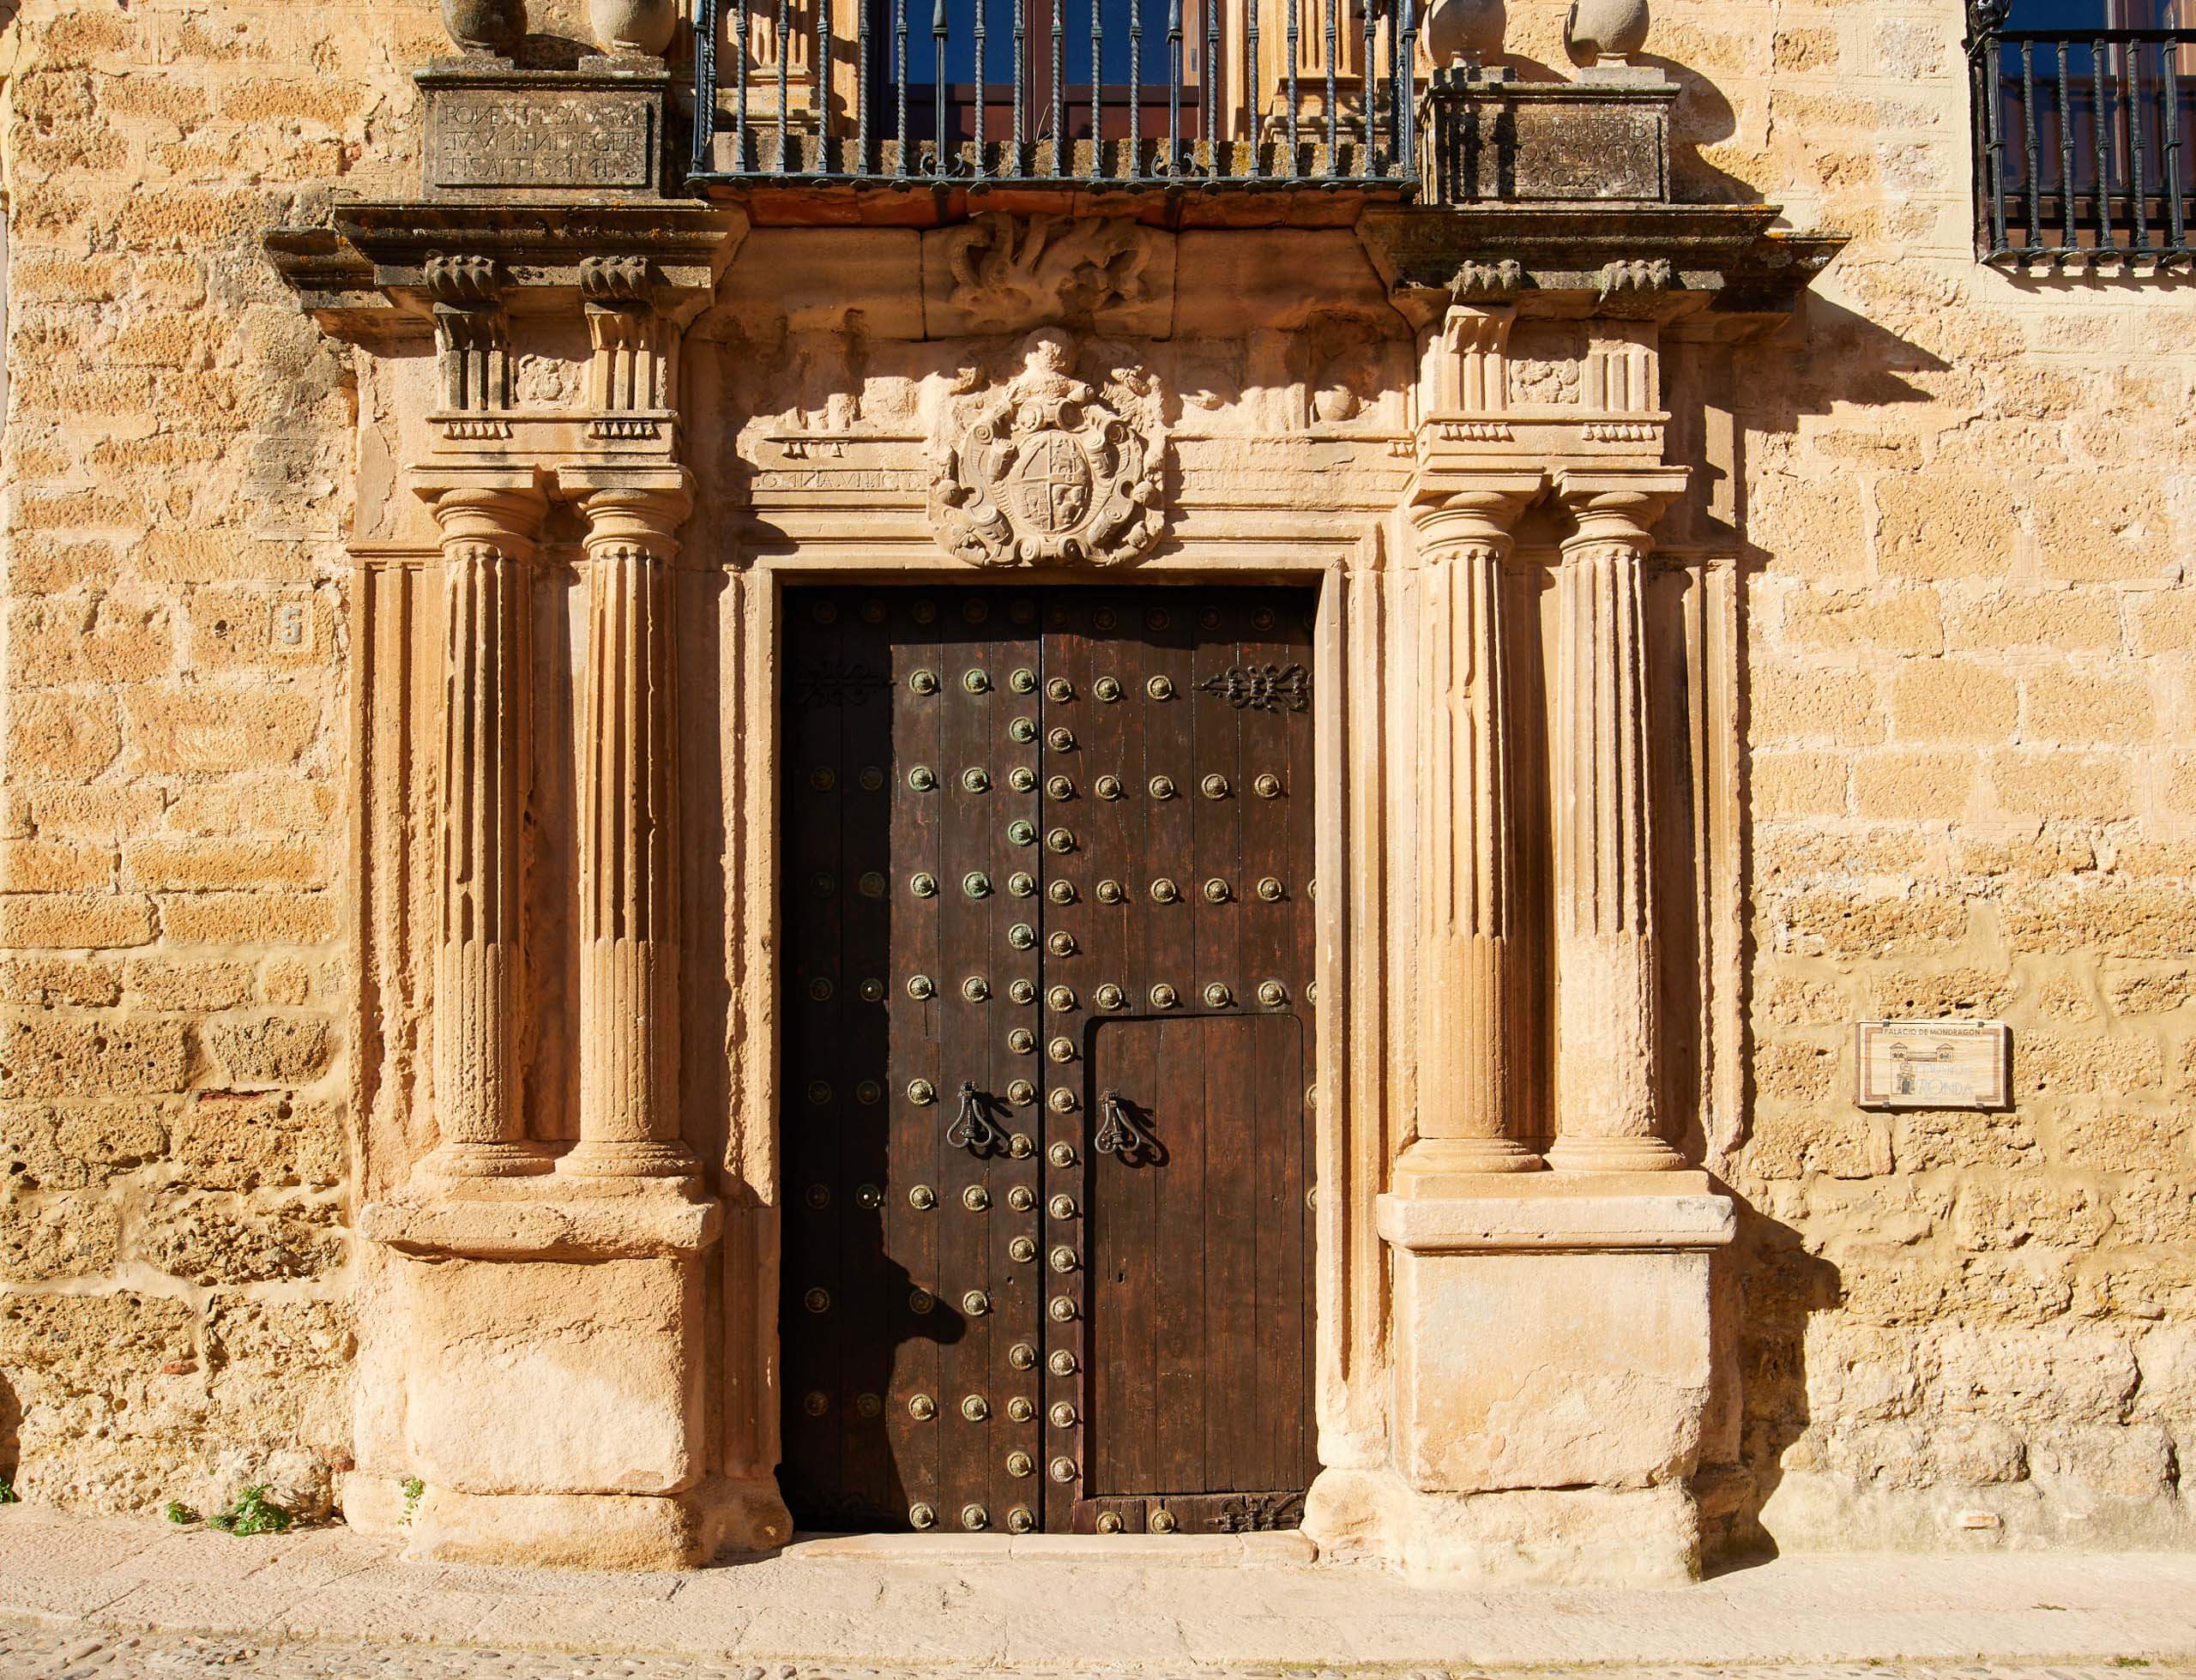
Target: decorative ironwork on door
x: 1047, y: 1025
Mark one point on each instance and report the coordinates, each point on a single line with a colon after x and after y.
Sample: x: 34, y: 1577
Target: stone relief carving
x: 1049, y: 469
x: 1010, y: 271
x: 1347, y: 375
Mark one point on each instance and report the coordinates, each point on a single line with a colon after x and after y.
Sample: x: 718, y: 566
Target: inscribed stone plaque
x: 484, y: 137
x: 1933, y: 1063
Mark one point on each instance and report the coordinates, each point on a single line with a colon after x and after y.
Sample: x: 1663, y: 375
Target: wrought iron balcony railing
x: 2083, y: 146
x: 1115, y: 94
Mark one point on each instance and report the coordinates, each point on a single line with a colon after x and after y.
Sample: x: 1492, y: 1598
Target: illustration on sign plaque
x: 1049, y: 470
x: 1933, y: 1063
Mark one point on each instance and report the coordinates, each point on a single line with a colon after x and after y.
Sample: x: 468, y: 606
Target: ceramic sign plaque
x: 1933, y: 1063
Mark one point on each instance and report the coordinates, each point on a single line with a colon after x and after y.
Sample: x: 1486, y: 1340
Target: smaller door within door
x: 1199, y: 1297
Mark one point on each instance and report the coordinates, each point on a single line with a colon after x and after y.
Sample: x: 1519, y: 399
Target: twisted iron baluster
x: 1368, y: 83
x: 785, y: 78
x: 1333, y: 46
x: 1097, y: 91
x: 1294, y: 48
x: 1212, y: 87
x: 823, y: 87
x: 2100, y: 114
x: 1174, y: 89
x: 1136, y: 89
x: 1063, y: 165
x: 981, y: 171
x: 2168, y: 81
x: 939, y: 27
x: 705, y: 86
x: 861, y: 88
x: 1253, y: 95
x: 900, y: 81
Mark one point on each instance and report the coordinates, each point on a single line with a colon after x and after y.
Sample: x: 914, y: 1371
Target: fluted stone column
x: 488, y: 526
x: 629, y: 928
x: 1467, y: 1120
x: 1606, y: 1078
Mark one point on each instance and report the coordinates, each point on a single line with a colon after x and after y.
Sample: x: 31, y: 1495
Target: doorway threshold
x: 1288, y: 1547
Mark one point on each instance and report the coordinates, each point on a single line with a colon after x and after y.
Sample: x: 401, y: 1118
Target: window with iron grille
x: 2083, y: 110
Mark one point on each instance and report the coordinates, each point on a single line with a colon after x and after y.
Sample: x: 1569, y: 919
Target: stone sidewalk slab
x: 955, y: 1608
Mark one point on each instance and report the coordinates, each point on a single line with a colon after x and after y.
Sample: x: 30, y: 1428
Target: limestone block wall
x: 1961, y: 504
x: 1967, y: 507
x: 173, y: 1060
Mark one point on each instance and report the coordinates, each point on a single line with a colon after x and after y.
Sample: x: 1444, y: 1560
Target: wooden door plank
x: 1068, y: 801
x: 865, y: 803
x: 919, y: 741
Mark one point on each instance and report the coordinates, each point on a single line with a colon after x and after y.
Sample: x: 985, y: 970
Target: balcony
x: 2083, y: 150
x: 1106, y: 96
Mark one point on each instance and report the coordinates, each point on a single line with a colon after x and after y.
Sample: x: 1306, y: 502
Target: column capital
x: 502, y: 506
x: 630, y: 507
x: 1465, y: 509
x: 1617, y: 503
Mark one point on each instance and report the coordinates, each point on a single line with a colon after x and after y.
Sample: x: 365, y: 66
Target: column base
x: 486, y: 1161
x: 629, y: 1159
x: 1613, y: 1155
x: 1438, y: 1165
x: 1558, y: 1535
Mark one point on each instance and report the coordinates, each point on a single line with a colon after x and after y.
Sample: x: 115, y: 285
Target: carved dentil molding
x: 1049, y: 470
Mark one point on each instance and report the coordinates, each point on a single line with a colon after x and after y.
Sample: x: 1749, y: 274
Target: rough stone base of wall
x: 1810, y: 1511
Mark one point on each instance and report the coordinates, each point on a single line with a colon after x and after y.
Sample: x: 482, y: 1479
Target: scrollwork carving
x: 1049, y: 470
x: 1014, y: 271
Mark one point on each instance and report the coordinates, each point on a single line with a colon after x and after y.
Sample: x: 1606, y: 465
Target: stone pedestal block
x: 1551, y: 1361
x: 552, y: 1355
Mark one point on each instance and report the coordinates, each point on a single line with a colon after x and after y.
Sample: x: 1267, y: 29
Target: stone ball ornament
x: 486, y: 25
x: 1464, y: 32
x: 624, y: 27
x: 1599, y: 29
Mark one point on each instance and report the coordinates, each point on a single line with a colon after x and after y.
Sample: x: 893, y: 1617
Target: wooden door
x: 1047, y: 933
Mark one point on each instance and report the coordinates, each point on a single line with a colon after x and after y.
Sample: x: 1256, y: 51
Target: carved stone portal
x: 1048, y: 470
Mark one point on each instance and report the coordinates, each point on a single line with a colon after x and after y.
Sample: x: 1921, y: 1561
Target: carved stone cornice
x: 365, y: 277
x: 1725, y: 262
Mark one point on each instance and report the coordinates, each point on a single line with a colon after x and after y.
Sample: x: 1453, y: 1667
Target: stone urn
x: 1600, y: 29
x: 486, y: 25
x: 628, y: 26
x: 1464, y: 32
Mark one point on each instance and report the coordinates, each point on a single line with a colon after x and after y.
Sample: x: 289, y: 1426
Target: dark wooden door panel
x: 1047, y: 977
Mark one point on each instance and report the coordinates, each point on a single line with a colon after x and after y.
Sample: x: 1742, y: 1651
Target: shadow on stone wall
x: 11, y: 1426
x: 1768, y: 1284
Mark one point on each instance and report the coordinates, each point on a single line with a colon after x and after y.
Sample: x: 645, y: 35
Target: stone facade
x: 1903, y: 579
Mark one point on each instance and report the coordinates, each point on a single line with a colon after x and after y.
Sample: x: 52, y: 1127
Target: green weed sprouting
x: 413, y: 1488
x: 252, y: 1513
x: 180, y: 1514
x: 8, y: 1494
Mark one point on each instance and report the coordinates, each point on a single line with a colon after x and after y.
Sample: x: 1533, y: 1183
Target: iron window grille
x: 2083, y: 148
x: 1125, y: 94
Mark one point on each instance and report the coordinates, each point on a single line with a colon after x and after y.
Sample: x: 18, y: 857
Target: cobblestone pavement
x: 31, y: 1652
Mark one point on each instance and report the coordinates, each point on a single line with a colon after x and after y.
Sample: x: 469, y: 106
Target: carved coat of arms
x: 1048, y: 470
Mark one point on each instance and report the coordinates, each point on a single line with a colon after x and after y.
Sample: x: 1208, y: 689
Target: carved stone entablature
x: 1049, y: 470
x: 1006, y: 273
